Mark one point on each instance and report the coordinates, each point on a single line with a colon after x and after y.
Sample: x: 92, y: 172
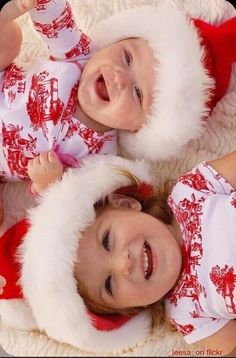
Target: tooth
x: 145, y: 261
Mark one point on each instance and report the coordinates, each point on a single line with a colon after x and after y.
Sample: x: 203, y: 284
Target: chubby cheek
x: 135, y: 295
x: 127, y: 117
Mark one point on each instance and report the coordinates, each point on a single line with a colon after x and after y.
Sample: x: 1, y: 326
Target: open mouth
x: 101, y: 88
x: 147, y: 261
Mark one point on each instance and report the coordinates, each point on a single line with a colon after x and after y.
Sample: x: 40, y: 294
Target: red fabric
x: 9, y: 265
x: 141, y: 192
x: 220, y: 49
x: 108, y: 322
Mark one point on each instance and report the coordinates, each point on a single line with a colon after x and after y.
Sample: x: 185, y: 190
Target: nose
x: 120, y: 79
x: 122, y: 263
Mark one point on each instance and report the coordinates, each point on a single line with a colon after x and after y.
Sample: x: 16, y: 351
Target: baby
x: 72, y: 101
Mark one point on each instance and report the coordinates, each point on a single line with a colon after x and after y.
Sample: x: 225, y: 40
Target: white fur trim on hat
x: 49, y: 252
x: 182, y: 86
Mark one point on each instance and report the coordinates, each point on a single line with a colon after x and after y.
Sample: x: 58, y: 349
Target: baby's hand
x: 25, y: 5
x: 44, y: 170
x: 15, y: 8
x: 2, y: 283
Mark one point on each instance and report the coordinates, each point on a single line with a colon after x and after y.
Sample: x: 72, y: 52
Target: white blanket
x: 218, y: 139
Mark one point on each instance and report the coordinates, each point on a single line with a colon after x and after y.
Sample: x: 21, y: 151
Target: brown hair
x: 154, y: 202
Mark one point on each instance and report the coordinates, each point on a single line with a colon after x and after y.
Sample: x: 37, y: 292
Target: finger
x: 34, y: 161
x: 52, y: 156
x: 53, y: 159
x: 43, y: 158
x: 31, y: 161
x: 1, y: 291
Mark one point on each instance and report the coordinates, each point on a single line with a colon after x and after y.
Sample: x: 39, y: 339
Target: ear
x: 125, y: 202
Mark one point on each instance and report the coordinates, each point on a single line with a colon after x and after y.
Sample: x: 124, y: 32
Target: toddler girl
x: 139, y: 259
x: 118, y: 248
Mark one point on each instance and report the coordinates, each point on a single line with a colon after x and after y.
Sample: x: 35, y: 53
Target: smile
x: 147, y: 261
x: 101, y: 89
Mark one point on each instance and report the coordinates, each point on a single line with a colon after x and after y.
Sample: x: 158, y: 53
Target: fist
x: 44, y: 170
x: 25, y: 5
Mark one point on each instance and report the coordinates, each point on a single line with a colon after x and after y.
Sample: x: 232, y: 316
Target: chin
x: 175, y: 263
x: 175, y: 276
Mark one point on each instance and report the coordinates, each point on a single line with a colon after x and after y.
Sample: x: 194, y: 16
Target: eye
x: 105, y: 241
x: 139, y: 94
x: 127, y: 58
x: 108, y: 285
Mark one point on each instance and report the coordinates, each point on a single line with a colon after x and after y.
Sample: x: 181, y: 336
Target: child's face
x: 112, y: 263
x: 116, y: 85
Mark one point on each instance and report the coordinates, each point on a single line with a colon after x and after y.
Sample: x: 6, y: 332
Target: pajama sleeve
x: 55, y: 23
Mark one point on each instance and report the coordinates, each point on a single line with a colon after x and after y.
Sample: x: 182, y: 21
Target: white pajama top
x: 204, y: 298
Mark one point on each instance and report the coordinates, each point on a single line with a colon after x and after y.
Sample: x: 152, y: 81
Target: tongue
x: 102, y: 90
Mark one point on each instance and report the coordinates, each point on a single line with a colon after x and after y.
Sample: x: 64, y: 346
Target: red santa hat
x: 49, y: 251
x: 9, y: 264
x: 194, y: 61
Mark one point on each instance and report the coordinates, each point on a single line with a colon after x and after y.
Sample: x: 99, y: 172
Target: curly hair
x: 154, y: 203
